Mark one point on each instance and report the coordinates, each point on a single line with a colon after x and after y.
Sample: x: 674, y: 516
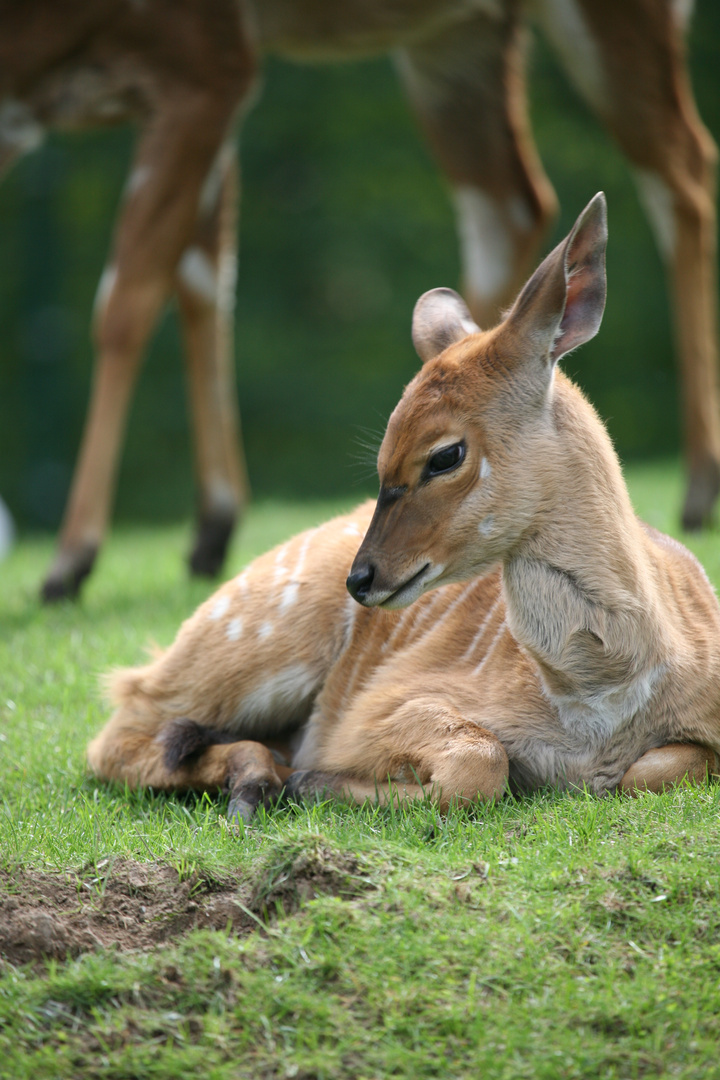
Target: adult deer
x: 548, y: 635
x: 185, y: 70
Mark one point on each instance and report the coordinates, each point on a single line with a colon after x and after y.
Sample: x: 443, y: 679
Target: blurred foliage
x: 344, y: 222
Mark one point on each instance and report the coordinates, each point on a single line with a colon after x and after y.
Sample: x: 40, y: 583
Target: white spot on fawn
x: 220, y: 607
x: 290, y: 592
x: 351, y: 530
x: 234, y: 629
x: 242, y: 583
x: 289, y: 595
x: 197, y: 274
x: 485, y: 243
x: 485, y: 469
x: 280, y: 696
x: 265, y: 630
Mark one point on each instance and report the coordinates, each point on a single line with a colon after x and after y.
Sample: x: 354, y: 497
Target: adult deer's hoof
x: 212, y: 538
x: 68, y: 572
x: 702, y: 492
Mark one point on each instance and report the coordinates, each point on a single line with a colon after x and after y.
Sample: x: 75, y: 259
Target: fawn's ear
x: 440, y: 319
x: 562, y: 304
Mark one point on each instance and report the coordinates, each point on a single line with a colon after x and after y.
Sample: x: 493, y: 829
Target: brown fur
x: 518, y: 623
x: 186, y: 69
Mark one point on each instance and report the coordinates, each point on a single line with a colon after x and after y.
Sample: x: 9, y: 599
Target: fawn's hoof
x: 702, y: 492
x: 305, y: 784
x: 248, y: 793
x: 68, y: 572
x: 212, y: 538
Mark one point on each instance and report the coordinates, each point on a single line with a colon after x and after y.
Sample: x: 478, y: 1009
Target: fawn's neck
x: 581, y: 591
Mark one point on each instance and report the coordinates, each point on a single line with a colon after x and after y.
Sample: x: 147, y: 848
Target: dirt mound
x: 131, y: 905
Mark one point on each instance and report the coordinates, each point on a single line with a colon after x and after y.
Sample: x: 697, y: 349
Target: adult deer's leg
x: 156, y: 226
x: 628, y: 62
x: 467, y: 87
x: 665, y: 766
x: 423, y: 748
x: 206, y: 291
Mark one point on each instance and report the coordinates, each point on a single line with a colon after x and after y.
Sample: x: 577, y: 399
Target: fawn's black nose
x: 359, y: 582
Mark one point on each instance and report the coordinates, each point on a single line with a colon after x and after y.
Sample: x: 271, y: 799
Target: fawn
x: 510, y: 619
x: 186, y: 72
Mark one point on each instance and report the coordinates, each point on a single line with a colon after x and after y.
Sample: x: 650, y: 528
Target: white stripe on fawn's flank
x: 291, y: 590
x: 281, y: 570
x: 351, y: 610
x: 500, y: 631
x: 481, y: 630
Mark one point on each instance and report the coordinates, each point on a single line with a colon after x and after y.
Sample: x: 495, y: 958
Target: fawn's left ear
x: 562, y: 304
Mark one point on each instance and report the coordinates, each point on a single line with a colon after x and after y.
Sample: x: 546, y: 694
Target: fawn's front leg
x: 423, y: 748
x: 665, y: 766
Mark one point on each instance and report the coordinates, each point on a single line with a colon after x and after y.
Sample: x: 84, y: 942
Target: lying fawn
x: 186, y: 72
x: 510, y: 618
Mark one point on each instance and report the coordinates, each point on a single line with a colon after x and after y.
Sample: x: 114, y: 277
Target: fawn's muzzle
x: 360, y: 581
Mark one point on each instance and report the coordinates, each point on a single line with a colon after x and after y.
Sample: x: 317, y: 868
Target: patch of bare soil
x: 132, y: 905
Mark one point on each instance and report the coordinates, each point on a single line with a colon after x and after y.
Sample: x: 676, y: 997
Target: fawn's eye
x: 445, y: 460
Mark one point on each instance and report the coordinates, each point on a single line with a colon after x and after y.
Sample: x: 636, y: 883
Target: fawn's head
x: 466, y: 458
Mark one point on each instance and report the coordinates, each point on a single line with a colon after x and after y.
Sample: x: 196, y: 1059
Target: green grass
x: 557, y: 936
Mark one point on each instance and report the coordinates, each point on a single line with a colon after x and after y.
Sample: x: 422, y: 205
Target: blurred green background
x: 344, y: 222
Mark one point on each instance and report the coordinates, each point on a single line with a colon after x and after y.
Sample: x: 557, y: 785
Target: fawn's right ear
x: 562, y: 304
x: 440, y: 318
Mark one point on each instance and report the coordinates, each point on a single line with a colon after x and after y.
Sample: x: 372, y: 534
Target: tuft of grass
x: 556, y: 936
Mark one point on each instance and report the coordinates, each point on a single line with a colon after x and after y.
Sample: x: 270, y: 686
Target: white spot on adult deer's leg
x: 682, y: 12
x: 137, y: 179
x: 19, y: 130
x: 197, y: 274
x: 104, y: 290
x: 565, y: 25
x: 485, y: 243
x: 658, y: 202
x: 520, y: 213
x: 210, y: 194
